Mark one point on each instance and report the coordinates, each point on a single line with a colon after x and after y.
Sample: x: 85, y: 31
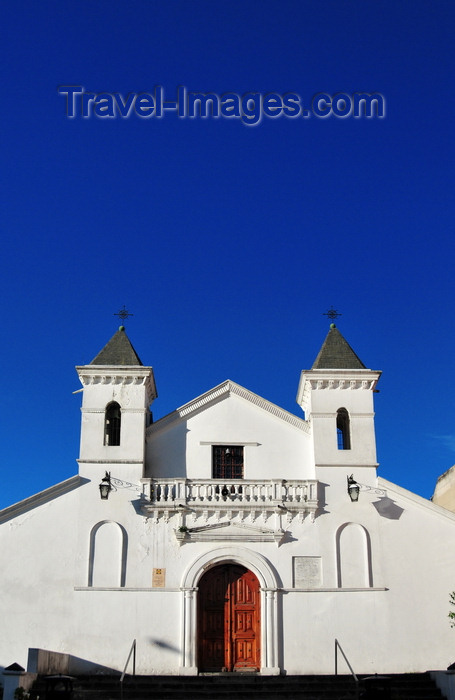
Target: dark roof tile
x: 118, y: 351
x: 336, y: 353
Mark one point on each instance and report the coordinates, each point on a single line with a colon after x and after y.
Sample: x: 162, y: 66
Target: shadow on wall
x: 167, y: 448
x: 164, y: 645
x: 388, y: 508
x: 46, y: 662
x: 322, y: 499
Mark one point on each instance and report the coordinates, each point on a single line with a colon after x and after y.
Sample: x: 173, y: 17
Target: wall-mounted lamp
x: 105, y: 486
x: 353, y: 489
x: 112, y: 483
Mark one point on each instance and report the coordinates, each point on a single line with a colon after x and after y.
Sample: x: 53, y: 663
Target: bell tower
x: 117, y: 393
x: 337, y: 397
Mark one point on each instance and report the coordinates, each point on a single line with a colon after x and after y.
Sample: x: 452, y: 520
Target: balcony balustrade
x: 231, y: 494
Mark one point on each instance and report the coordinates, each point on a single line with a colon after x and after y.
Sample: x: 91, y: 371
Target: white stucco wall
x: 321, y: 394
x: 132, y: 388
x: 37, y: 563
x: 77, y: 571
x: 273, y: 448
x: 399, y: 623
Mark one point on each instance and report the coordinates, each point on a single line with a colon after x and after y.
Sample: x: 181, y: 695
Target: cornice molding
x: 414, y: 498
x: 221, y: 392
x: 228, y: 444
x: 341, y: 383
x: 353, y: 465
x: 335, y: 379
x: 325, y: 414
x: 110, y: 461
x: 335, y: 590
x: 42, y: 497
x: 129, y: 589
x: 229, y: 532
x: 93, y: 375
x: 123, y: 410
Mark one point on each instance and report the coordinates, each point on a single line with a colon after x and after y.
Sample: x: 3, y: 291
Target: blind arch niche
x: 107, y: 558
x: 354, y: 565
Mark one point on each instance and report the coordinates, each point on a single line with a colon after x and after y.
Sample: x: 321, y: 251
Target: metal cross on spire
x: 332, y: 314
x: 123, y: 313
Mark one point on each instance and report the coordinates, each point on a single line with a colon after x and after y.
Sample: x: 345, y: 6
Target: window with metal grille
x: 112, y: 421
x: 227, y: 462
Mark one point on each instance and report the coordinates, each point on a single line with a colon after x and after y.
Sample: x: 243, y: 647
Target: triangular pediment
x: 229, y: 532
x: 221, y: 393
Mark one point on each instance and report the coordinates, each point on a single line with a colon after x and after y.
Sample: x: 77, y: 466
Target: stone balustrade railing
x: 242, y: 493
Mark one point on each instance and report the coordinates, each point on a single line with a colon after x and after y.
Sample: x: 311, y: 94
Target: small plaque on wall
x: 159, y: 578
x: 307, y: 572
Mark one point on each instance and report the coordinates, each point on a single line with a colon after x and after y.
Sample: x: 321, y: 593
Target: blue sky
x: 227, y: 242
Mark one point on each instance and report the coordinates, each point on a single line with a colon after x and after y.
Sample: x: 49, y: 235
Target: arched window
x: 112, y: 420
x: 343, y: 430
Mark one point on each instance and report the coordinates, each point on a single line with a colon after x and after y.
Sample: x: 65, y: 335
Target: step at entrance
x: 237, y: 687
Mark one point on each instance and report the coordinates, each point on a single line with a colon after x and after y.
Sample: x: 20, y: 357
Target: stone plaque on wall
x: 307, y: 572
x: 159, y: 578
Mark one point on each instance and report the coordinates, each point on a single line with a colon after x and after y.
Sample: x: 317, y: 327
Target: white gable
x: 276, y: 443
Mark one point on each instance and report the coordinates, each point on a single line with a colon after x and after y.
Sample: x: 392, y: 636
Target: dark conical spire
x: 118, y: 351
x: 336, y: 353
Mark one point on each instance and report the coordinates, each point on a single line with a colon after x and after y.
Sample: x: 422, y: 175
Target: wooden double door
x: 229, y: 620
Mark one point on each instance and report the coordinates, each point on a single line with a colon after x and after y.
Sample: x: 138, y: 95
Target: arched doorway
x: 229, y: 623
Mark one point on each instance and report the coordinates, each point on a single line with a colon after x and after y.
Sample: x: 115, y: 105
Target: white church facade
x: 229, y: 535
